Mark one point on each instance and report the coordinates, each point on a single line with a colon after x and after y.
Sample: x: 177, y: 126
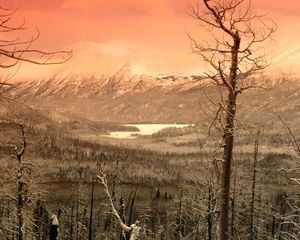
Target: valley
x: 158, y: 140
x: 124, y: 125
x: 149, y: 120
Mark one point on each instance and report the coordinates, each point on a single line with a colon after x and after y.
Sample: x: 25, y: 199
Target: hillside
x: 126, y: 97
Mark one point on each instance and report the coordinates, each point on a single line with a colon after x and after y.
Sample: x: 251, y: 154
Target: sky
x: 150, y: 34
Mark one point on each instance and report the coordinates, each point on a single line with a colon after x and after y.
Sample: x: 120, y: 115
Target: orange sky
x: 152, y: 32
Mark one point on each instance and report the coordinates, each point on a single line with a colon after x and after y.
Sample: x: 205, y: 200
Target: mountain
x: 101, y: 83
x: 65, y: 84
x: 126, y: 97
x: 287, y: 61
x: 119, y: 97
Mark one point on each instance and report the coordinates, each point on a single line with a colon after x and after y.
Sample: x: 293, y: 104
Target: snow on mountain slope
x: 288, y: 62
x: 108, y: 69
x: 84, y: 85
x: 115, y: 92
x: 127, y: 97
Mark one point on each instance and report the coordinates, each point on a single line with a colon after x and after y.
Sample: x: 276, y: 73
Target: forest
x: 174, y: 195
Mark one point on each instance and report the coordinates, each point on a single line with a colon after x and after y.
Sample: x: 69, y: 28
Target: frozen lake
x: 145, y: 129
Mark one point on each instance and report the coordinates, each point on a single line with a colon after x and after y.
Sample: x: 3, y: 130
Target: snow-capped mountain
x: 67, y: 84
x: 121, y: 94
x: 125, y: 97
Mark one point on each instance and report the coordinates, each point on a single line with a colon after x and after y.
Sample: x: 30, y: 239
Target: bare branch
x: 14, y: 50
x: 297, y: 146
x: 104, y: 182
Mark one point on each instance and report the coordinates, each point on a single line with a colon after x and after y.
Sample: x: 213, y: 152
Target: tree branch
x: 103, y: 181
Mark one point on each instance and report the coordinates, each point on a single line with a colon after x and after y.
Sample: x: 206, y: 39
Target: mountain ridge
x: 90, y: 85
x: 127, y: 97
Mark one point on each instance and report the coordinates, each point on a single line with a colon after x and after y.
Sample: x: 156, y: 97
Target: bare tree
x: 135, y: 228
x: 234, y: 62
x: 24, y: 169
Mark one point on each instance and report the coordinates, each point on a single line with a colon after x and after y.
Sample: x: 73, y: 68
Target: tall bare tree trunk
x: 91, y: 212
x: 228, y: 136
x: 20, y: 202
x: 253, y: 234
x: 209, y: 213
x: 233, y: 211
x: 21, y: 184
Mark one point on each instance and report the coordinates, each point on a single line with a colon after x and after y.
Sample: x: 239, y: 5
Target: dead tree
x: 23, y: 193
x: 292, y: 219
x: 234, y: 62
x: 135, y: 228
x: 291, y: 134
x: 91, y: 212
x: 253, y: 231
